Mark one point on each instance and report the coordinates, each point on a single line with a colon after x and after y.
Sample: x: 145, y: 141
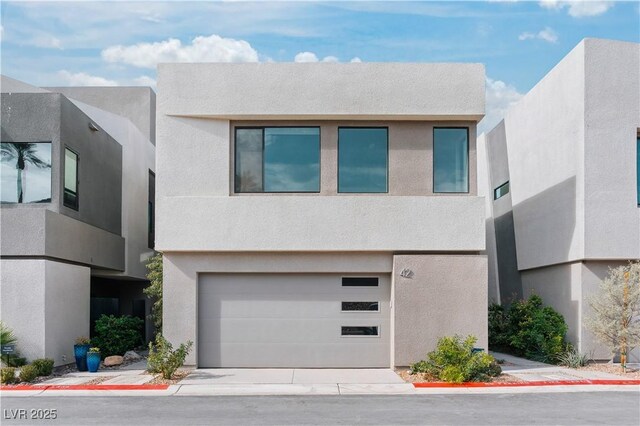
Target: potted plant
x: 93, y: 359
x: 80, y: 350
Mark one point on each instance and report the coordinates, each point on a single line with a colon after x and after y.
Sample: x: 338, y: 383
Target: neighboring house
x: 563, y: 183
x: 320, y: 215
x: 77, y: 176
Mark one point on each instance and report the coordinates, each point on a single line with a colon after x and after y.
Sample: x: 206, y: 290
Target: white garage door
x: 293, y: 320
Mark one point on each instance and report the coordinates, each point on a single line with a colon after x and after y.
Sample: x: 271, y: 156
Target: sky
x: 119, y: 42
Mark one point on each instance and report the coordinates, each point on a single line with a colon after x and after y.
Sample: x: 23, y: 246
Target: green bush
x: 163, y: 359
x: 498, y: 327
x: 536, y: 331
x: 28, y: 373
x: 455, y: 361
x: 44, y: 366
x: 573, y: 358
x: 117, y: 335
x: 8, y: 338
x: 7, y: 375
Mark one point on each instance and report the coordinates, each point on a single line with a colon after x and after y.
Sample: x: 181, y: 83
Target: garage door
x: 287, y: 320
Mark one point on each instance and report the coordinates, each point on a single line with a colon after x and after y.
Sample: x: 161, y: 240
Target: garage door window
x: 367, y: 331
x: 360, y: 307
x: 360, y: 281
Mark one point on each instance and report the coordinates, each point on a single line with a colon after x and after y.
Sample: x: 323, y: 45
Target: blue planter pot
x: 80, y: 353
x: 93, y: 361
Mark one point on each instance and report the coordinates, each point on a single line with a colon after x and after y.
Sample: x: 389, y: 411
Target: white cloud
x: 202, y: 49
x: 499, y: 97
x: 305, y: 57
x: 355, y: 59
x: 312, y: 57
x: 579, y: 8
x: 547, y: 34
x: 83, y: 79
x: 46, y: 41
x: 145, y: 80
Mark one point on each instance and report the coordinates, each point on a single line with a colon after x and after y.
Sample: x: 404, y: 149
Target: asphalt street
x: 578, y: 408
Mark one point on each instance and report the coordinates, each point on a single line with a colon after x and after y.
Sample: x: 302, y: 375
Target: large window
x: 277, y: 159
x: 25, y: 172
x: 362, y: 159
x: 70, y: 179
x: 450, y: 160
x: 151, y: 211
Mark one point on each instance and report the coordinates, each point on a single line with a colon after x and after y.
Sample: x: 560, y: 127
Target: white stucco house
x: 561, y: 174
x: 320, y: 215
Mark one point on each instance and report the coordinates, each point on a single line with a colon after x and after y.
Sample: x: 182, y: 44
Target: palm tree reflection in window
x: 25, y: 154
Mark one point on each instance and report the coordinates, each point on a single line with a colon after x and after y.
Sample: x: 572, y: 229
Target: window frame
x: 495, y: 191
x: 362, y: 336
x: 64, y: 170
x: 433, y: 160
x: 235, y: 142
x: 356, y: 311
x: 51, y: 176
x: 151, y: 214
x: 338, y: 160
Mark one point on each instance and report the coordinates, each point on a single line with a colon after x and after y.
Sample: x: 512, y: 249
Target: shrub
x: 573, y: 358
x: 28, y: 373
x: 7, y: 375
x: 117, y: 335
x: 154, y: 290
x: 536, y: 331
x: 498, y: 327
x: 615, y: 316
x: 81, y: 341
x: 8, y: 338
x: 163, y: 359
x: 44, y: 366
x: 455, y: 361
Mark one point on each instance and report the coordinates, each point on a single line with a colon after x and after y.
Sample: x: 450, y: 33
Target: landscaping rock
x: 113, y: 360
x: 132, y: 356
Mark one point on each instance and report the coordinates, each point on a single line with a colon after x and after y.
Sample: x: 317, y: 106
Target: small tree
x: 154, y: 290
x: 615, y: 320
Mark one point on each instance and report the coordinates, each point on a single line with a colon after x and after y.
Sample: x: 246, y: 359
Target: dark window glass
x: 277, y: 159
x: 360, y: 281
x: 70, y: 179
x: 151, y: 213
x: 362, y: 160
x: 25, y: 172
x: 359, y: 331
x: 360, y: 306
x: 501, y: 191
x: 451, y: 160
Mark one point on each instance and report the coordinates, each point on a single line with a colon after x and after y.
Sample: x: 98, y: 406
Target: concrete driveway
x: 211, y: 376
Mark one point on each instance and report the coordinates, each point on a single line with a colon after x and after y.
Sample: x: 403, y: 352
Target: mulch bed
x: 179, y: 375
x: 424, y: 378
x: 633, y: 371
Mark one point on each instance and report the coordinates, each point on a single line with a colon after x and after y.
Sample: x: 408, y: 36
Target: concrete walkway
x: 533, y: 371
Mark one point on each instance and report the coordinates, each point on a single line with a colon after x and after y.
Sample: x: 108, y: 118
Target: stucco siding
x: 322, y: 90
x: 612, y: 117
x: 446, y: 295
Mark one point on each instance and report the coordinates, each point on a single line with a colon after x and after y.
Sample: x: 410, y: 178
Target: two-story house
x: 563, y: 183
x: 320, y: 215
x: 77, y: 192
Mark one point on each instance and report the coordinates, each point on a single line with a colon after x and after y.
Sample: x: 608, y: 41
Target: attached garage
x: 293, y: 320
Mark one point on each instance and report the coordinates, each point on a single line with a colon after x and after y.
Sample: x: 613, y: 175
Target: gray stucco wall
x: 446, y: 295
x: 52, y: 117
x: 47, y: 305
x: 137, y: 104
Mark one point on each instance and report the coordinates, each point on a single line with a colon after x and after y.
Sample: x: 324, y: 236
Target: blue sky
x: 119, y: 43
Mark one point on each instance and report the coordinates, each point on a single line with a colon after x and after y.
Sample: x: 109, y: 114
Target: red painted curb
x: 521, y: 384
x: 85, y: 387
